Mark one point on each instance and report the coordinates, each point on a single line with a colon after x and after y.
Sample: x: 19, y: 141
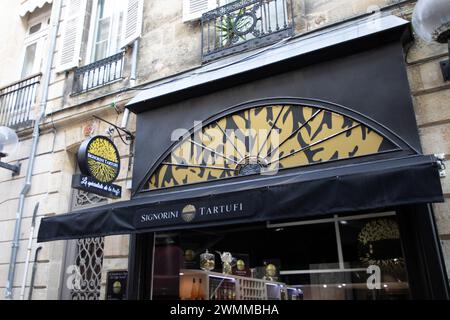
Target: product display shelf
x: 228, y: 287
x: 251, y: 289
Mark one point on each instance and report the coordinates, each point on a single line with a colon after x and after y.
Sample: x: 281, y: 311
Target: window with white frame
x: 34, y: 44
x: 113, y: 25
x: 17, y: 100
x: 107, y: 23
x: 193, y: 9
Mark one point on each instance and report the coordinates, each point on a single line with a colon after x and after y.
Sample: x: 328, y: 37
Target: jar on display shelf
x: 207, y: 261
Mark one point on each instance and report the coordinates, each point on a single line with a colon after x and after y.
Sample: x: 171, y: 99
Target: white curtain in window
x: 109, y: 19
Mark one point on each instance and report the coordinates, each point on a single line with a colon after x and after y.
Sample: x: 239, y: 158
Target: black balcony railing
x: 98, y: 74
x: 243, y: 25
x: 16, y: 102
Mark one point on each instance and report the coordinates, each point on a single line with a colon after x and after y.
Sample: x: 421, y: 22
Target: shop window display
x: 334, y: 259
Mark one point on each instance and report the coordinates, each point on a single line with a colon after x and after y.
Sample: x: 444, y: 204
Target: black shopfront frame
x: 365, y: 78
x: 350, y: 65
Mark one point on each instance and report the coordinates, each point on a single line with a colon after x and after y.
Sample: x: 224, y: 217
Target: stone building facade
x: 167, y: 46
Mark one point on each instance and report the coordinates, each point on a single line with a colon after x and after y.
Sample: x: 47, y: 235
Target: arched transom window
x: 264, y: 140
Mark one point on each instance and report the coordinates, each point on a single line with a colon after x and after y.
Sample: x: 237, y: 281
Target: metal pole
x: 14, y: 168
x: 30, y: 247
x: 33, y: 273
x: 27, y: 185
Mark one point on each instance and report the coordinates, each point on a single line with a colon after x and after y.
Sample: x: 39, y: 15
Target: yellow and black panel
x: 266, y: 139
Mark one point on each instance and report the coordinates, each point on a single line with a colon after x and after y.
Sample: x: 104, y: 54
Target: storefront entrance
x: 389, y: 255
x: 304, y: 169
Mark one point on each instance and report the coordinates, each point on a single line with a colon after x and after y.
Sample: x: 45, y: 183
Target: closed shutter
x: 71, y: 34
x: 193, y: 9
x: 132, y: 28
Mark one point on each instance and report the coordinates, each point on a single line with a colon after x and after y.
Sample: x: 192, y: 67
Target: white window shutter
x: 132, y: 28
x: 71, y: 34
x: 193, y: 9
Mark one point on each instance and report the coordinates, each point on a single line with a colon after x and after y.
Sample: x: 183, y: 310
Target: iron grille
x: 243, y: 25
x: 17, y: 101
x: 89, y: 261
x: 98, y: 74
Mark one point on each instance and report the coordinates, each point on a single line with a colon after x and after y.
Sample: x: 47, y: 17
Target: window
x: 243, y: 143
x: 193, y: 9
x: 340, y: 258
x: 17, y: 100
x: 114, y: 24
x: 34, y: 44
x: 28, y: 63
x: 108, y: 19
x: 244, y: 25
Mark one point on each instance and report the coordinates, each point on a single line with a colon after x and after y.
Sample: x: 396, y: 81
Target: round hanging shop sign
x: 99, y: 158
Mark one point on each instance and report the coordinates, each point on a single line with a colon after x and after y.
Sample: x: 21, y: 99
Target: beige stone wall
x: 50, y: 188
x: 10, y: 20
x: 319, y: 13
x: 431, y: 101
x: 163, y: 28
x: 168, y: 46
x: 116, y: 248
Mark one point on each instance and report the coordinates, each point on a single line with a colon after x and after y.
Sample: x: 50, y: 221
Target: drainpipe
x: 133, y: 77
x: 30, y: 248
x: 27, y: 185
x: 33, y: 273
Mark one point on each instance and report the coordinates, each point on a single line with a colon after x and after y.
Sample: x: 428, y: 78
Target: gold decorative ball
x: 188, y: 213
x: 240, y: 265
x: 271, y: 270
x: 117, y: 287
x: 189, y: 255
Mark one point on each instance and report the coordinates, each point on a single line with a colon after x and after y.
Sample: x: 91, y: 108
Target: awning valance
x: 29, y: 6
x: 357, y: 187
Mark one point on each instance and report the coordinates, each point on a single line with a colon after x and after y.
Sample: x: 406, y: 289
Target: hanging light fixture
x: 8, y: 146
x: 431, y: 22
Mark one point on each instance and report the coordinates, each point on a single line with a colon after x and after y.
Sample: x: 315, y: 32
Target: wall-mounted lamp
x: 8, y: 146
x: 431, y: 22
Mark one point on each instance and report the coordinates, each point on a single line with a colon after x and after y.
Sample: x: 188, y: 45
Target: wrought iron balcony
x: 245, y: 24
x: 17, y: 101
x: 98, y: 74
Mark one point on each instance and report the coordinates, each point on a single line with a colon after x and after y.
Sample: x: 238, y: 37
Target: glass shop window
x: 338, y: 260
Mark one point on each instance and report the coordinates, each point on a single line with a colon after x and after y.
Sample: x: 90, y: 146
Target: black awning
x: 351, y: 188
